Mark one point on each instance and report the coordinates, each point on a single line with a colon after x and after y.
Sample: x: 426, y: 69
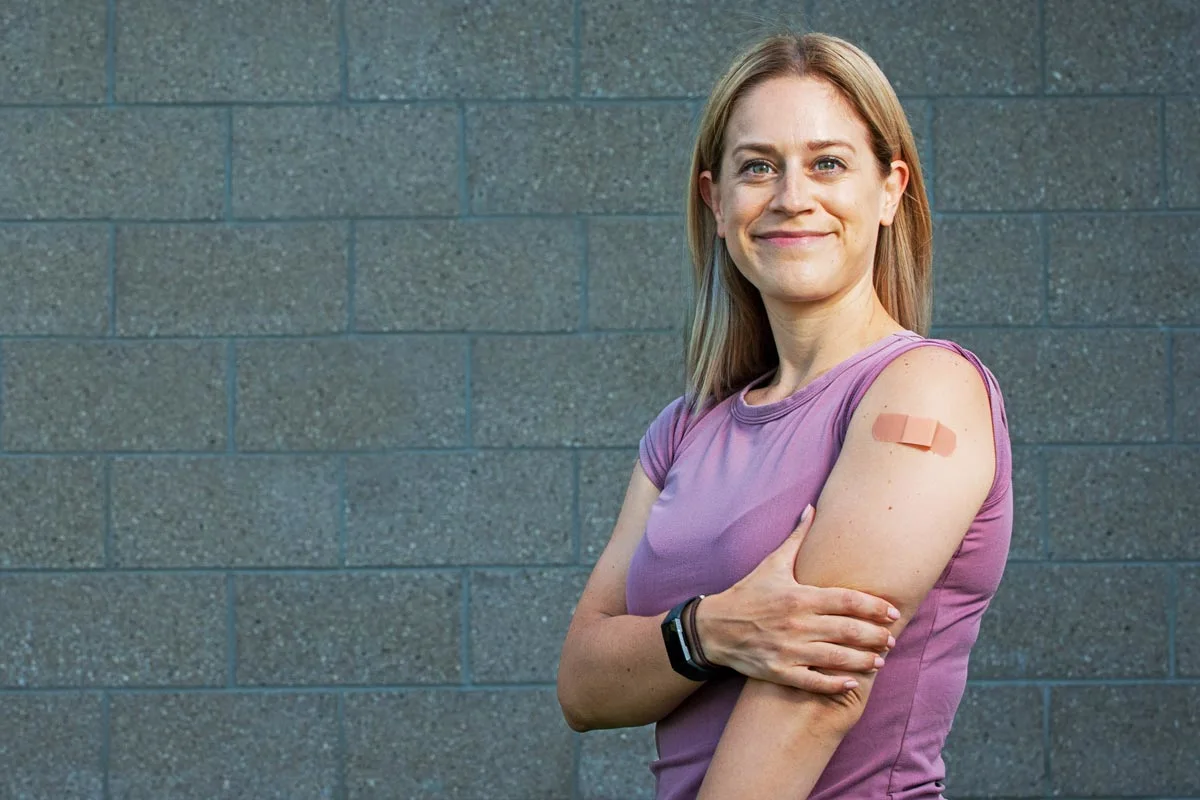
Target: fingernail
x: 893, y: 613
x: 891, y: 642
x: 806, y: 513
x: 878, y: 662
x: 850, y: 684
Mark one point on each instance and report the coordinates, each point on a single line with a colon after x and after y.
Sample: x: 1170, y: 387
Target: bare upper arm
x: 604, y: 594
x: 891, y: 516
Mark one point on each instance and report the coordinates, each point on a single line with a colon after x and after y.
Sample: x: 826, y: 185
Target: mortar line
x: 1171, y: 434
x: 1172, y: 619
x: 1043, y: 473
x: 1162, y: 151
x: 112, y: 280
x: 468, y: 421
x: 110, y: 549
x: 1041, y: 23
x: 351, y: 274
x: 1047, y: 764
x: 342, y: 792
x: 230, y: 631
x: 583, y: 231
x: 343, y: 55
x: 1043, y: 229
x: 110, y: 67
x: 576, y: 511
x: 105, y: 743
x: 228, y: 201
x: 465, y: 624
x: 577, y: 53
x: 231, y: 396
x: 464, y: 189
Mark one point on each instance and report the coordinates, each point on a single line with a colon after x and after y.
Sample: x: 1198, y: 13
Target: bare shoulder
x: 935, y: 377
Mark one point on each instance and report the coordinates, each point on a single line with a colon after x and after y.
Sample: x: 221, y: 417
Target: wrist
x: 707, y: 629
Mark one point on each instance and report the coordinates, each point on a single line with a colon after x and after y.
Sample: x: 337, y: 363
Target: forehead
x: 795, y: 109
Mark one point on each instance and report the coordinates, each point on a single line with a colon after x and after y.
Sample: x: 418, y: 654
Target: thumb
x: 791, y: 545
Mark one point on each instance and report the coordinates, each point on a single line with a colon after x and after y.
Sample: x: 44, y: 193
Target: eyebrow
x: 813, y: 144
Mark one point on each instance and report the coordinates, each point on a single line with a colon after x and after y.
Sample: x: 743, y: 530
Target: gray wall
x: 327, y: 330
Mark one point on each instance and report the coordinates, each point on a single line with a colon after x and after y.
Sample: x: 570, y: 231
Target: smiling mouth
x: 780, y: 239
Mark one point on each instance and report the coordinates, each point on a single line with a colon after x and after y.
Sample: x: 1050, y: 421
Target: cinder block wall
x: 327, y: 330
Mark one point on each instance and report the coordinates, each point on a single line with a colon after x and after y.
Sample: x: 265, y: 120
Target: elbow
x: 572, y: 711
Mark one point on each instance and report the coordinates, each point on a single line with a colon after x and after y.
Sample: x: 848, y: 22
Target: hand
x: 769, y: 627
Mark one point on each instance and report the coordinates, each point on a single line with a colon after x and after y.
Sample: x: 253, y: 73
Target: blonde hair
x: 730, y: 341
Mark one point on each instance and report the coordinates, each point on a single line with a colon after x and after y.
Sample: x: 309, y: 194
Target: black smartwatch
x: 681, y: 651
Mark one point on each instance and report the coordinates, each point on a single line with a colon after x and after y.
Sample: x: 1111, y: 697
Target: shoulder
x: 935, y: 377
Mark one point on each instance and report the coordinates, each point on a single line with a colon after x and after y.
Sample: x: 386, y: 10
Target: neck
x: 811, y: 340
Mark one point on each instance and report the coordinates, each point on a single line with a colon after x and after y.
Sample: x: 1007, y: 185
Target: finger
x: 791, y: 545
x: 823, y: 655
x: 851, y: 603
x: 850, y: 632
x: 816, y: 682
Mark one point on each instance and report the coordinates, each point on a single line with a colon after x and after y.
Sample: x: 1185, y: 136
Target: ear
x: 712, y: 198
x: 893, y: 189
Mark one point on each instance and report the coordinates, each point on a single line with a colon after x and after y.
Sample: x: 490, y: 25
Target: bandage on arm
x: 920, y: 432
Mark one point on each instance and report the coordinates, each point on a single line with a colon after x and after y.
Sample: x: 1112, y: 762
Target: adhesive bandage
x: 920, y: 432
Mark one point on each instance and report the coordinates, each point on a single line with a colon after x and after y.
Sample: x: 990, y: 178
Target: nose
x: 793, y: 194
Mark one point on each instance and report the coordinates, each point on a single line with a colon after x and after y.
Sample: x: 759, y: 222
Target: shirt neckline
x: 757, y: 414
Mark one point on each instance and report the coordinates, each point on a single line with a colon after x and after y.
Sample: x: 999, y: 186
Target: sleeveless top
x: 734, y: 479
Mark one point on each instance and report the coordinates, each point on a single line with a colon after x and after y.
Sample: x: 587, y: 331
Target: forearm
x: 614, y: 673
x: 787, y: 734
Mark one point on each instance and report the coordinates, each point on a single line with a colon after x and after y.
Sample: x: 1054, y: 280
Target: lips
x: 786, y: 238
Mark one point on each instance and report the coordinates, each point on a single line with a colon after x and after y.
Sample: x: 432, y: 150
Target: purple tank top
x: 733, y: 482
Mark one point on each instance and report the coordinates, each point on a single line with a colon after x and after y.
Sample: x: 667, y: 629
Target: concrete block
x: 615, y: 764
x: 105, y: 163
x: 413, y: 745
x: 995, y: 748
x: 1065, y: 386
x: 1148, y: 264
x: 942, y: 47
x: 572, y: 391
x: 1186, y: 402
x: 988, y: 271
x: 639, y: 273
x: 50, y: 746
x: 563, y: 159
x: 1123, y: 503
x: 1125, y: 740
x: 1183, y: 152
x: 355, y: 628
x: 519, y: 621
x: 490, y: 507
x: 1138, y: 48
x: 603, y: 478
x: 221, y: 281
x: 664, y: 48
x: 345, y: 162
x: 468, y: 275
x: 53, y: 52
x: 1187, y: 622
x: 1027, y: 504
x: 201, y: 746
x: 224, y: 512
x: 173, y: 52
x: 55, y: 279
x: 1041, y: 154
x: 343, y: 395
x: 1061, y: 622
x: 114, y: 396
x: 112, y: 630
x: 409, y: 50
x: 51, y: 513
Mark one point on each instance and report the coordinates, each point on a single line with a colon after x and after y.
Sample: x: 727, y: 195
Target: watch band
x: 680, y: 649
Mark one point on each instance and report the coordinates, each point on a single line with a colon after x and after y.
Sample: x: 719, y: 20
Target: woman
x: 810, y: 383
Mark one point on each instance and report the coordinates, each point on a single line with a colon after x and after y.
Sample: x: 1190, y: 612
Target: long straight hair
x: 730, y: 341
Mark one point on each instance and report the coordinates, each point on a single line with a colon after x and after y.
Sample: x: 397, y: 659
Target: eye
x: 828, y: 164
x: 758, y: 168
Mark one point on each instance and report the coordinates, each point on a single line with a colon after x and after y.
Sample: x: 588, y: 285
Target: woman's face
x: 800, y: 198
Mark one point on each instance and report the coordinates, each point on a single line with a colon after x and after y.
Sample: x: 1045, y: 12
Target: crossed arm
x: 889, y: 519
